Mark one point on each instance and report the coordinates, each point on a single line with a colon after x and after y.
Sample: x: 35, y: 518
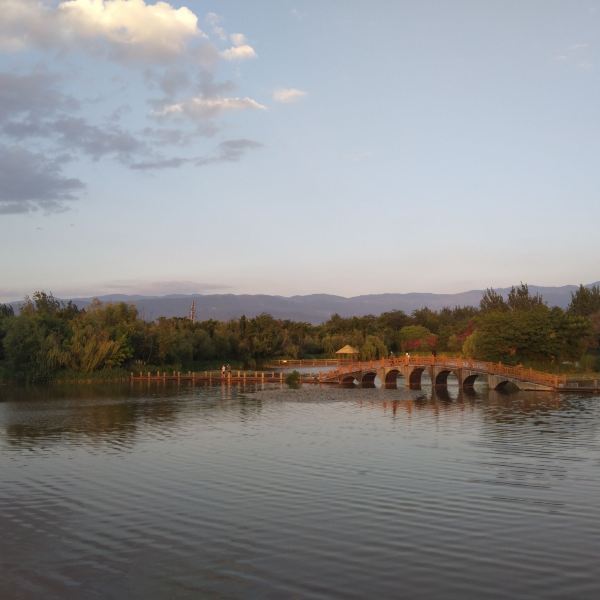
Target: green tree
x: 99, y: 338
x: 373, y: 348
x: 519, y: 298
x: 35, y: 340
x: 6, y: 314
x: 492, y: 300
x: 585, y: 301
x: 538, y: 335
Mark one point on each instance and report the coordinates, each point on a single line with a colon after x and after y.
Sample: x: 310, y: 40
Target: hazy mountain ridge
x: 313, y: 308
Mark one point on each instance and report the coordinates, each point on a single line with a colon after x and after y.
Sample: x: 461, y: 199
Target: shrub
x: 293, y: 379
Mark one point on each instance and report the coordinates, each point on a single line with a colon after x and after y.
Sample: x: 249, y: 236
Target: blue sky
x: 294, y: 147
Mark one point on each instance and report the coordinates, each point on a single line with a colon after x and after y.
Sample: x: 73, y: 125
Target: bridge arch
x: 414, y: 379
x: 348, y: 380
x: 391, y: 378
x: 469, y: 381
x: 441, y: 379
x: 368, y: 379
x: 507, y: 386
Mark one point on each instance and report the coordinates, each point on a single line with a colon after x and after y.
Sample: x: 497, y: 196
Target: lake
x: 220, y: 492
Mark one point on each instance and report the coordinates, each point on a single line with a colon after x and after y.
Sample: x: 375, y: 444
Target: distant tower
x: 193, y: 312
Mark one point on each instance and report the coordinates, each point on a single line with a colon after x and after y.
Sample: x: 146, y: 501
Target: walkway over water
x: 389, y: 371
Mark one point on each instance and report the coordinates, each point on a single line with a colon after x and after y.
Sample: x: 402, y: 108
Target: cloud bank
x: 129, y: 29
x: 30, y: 182
x: 171, y: 65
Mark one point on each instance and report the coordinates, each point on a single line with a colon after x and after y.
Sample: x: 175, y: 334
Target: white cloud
x: 202, y: 108
x: 131, y: 28
x: 288, y: 95
x: 22, y: 23
x: 237, y: 39
x: 242, y: 52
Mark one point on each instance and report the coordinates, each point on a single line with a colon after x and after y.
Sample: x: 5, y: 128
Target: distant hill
x: 313, y: 308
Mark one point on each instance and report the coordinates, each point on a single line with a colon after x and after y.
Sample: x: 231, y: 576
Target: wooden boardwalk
x: 232, y: 377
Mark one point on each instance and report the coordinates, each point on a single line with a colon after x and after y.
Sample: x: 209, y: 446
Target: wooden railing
x: 232, y: 376
x: 309, y: 362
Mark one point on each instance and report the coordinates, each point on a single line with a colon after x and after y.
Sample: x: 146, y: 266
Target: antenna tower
x: 193, y: 312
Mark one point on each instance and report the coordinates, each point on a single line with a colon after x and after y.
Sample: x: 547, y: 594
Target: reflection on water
x: 157, y: 491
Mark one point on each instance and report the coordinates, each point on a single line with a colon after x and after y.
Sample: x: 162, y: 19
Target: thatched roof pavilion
x: 347, y: 350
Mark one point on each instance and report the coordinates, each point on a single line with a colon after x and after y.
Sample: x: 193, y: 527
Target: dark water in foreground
x: 319, y: 493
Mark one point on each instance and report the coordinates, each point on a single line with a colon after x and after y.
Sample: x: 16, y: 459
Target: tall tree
x: 6, y: 313
x: 492, y: 300
x: 519, y: 298
x: 585, y: 301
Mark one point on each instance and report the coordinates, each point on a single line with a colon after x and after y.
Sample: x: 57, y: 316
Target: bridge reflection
x: 493, y: 403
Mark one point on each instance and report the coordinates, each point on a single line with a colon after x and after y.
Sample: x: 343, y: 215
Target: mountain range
x: 312, y: 308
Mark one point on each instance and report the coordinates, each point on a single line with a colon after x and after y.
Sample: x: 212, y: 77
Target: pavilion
x: 347, y: 352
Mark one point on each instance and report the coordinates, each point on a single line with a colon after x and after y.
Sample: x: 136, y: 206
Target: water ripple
x: 219, y: 492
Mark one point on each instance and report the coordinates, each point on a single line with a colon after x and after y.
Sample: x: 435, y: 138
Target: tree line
x: 49, y: 338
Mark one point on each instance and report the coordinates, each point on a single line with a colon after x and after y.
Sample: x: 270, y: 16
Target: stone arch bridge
x: 467, y: 372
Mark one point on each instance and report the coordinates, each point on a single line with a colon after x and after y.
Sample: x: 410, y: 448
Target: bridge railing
x: 309, y: 362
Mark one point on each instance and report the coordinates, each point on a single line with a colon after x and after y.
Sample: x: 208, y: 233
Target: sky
x: 297, y: 146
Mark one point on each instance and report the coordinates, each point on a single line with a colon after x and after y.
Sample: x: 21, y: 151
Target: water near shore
x: 217, y: 492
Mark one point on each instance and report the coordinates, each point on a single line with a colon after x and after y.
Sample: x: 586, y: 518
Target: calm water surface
x: 318, y: 493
